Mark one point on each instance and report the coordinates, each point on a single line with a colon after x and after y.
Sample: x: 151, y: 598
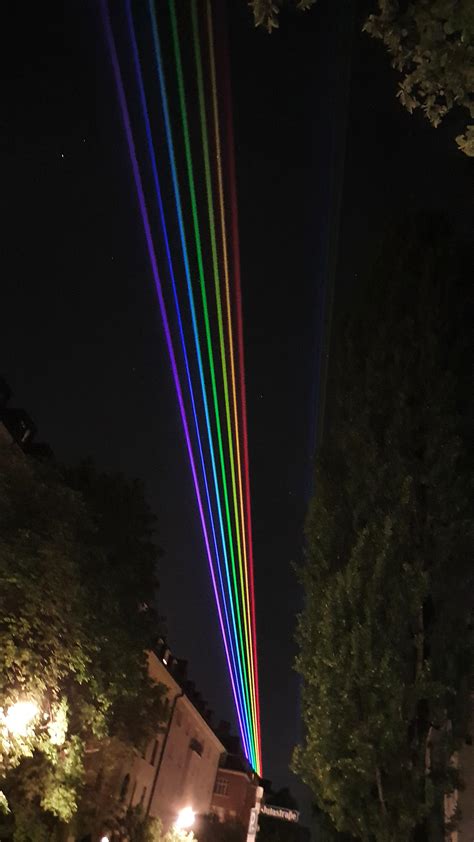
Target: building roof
x: 172, y: 672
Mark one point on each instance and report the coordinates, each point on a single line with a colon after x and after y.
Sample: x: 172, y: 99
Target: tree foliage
x: 266, y: 12
x: 385, y: 641
x: 133, y: 825
x: 431, y: 44
x: 325, y: 830
x: 210, y: 829
x: 118, y: 566
x: 77, y: 568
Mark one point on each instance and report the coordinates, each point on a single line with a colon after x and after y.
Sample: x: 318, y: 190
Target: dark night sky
x: 81, y: 341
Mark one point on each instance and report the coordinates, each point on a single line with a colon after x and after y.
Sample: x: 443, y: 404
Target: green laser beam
x: 217, y: 283
x: 202, y: 280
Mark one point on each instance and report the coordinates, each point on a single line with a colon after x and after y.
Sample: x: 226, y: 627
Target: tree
x: 134, y: 825
x: 431, y: 44
x: 266, y: 12
x: 118, y: 568
x: 325, y: 830
x: 210, y: 829
x: 43, y: 642
x: 384, y: 638
x: 74, y: 627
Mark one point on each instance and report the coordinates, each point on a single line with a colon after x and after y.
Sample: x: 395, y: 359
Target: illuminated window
x: 221, y: 787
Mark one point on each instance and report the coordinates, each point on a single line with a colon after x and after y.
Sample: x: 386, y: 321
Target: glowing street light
x: 185, y: 818
x: 19, y: 717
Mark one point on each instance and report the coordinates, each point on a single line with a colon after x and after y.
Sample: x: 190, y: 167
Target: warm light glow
x: 104, y: 839
x: 20, y: 716
x: 185, y: 818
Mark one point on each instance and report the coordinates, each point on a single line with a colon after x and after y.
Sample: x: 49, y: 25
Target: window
x: 124, y: 787
x: 221, y: 786
x: 196, y: 746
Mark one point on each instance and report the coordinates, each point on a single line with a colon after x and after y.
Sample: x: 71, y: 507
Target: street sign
x: 253, y: 821
x: 280, y: 813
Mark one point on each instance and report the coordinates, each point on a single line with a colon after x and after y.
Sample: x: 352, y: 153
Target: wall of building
x: 188, y: 767
x: 466, y: 796
x: 459, y: 805
x: 179, y: 766
x: 5, y: 436
x: 233, y: 796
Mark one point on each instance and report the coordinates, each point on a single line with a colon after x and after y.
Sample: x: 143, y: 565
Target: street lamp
x: 185, y: 818
x: 19, y: 717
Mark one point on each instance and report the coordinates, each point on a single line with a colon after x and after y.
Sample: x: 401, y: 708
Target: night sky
x: 317, y: 124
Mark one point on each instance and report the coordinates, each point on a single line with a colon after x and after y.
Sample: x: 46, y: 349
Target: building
x: 17, y: 428
x: 466, y: 796
x: 236, y: 783
x: 460, y: 805
x: 178, y: 768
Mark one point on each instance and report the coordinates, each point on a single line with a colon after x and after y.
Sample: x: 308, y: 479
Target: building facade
x: 17, y: 429
x: 236, y: 784
x: 466, y: 796
x: 460, y: 805
x: 178, y: 768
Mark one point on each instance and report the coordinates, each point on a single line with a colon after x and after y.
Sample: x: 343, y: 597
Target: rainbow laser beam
x: 215, y: 432
x: 231, y: 433
x: 156, y: 277
x: 156, y: 181
x: 235, y: 239
x: 212, y: 370
x: 246, y: 534
x: 184, y: 248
